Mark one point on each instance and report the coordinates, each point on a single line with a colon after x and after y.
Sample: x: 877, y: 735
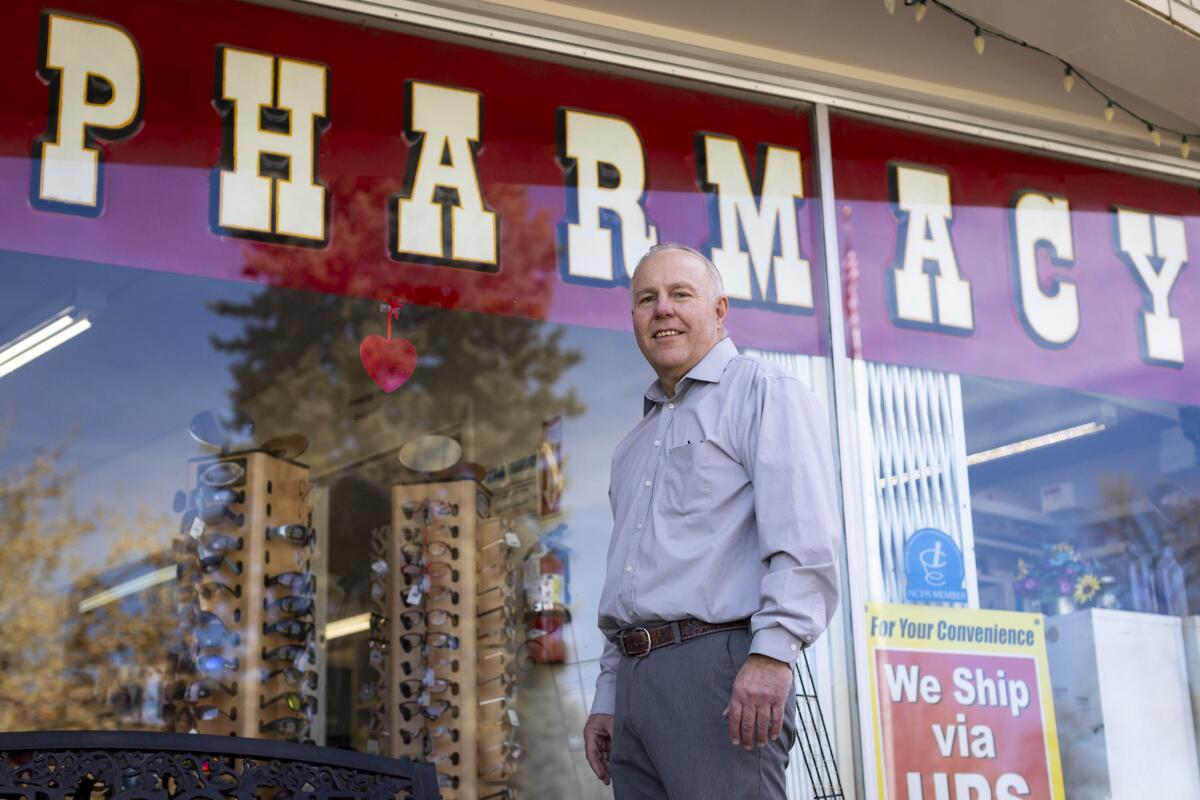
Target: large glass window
x: 1028, y: 440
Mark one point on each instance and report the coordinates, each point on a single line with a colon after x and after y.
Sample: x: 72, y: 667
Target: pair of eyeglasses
x: 298, y: 582
x: 195, y: 691
x: 440, y: 663
x: 288, y: 628
x: 439, y: 733
x: 430, y: 508
x: 223, y: 473
x: 289, y: 652
x: 430, y: 531
x: 434, y: 639
x: 299, y: 535
x: 434, y: 569
x: 208, y: 563
x: 415, y: 553
x: 411, y: 709
x: 293, y: 677
x: 435, y: 618
x: 294, y: 700
x: 210, y: 631
x: 208, y: 713
x: 415, y: 686
x: 209, y: 663
x: 292, y: 604
x: 285, y: 726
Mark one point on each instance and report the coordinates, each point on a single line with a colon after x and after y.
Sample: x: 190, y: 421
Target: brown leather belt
x: 639, y: 641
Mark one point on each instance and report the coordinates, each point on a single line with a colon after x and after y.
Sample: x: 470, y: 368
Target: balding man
x: 721, y: 567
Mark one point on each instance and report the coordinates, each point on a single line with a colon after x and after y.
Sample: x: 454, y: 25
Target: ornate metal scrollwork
x: 62, y: 765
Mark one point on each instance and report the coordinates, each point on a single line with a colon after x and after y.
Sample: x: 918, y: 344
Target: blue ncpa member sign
x: 934, y: 567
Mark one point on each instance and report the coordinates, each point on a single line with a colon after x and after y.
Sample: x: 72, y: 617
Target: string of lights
x: 1071, y: 74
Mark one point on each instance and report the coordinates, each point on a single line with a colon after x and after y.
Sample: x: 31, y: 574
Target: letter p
x: 95, y: 80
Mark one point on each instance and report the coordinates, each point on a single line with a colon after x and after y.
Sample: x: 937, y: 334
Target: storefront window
x: 312, y: 379
x: 1025, y: 372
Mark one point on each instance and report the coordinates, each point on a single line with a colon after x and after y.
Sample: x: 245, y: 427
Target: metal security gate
x: 914, y: 466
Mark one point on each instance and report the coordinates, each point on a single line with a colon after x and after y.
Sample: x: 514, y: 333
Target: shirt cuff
x: 605, y: 701
x: 778, y: 644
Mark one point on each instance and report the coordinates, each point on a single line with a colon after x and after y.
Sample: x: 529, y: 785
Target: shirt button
x: 657, y: 443
x: 793, y: 647
x: 670, y: 405
x: 647, y: 483
x: 808, y: 639
x: 630, y: 569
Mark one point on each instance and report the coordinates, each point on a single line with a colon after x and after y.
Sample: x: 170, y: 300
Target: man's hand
x: 597, y: 740
x: 755, y: 709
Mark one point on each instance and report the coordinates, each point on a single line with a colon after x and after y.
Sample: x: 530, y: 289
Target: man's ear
x: 722, y: 309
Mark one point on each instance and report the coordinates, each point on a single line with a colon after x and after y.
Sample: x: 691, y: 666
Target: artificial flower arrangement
x: 1062, y: 581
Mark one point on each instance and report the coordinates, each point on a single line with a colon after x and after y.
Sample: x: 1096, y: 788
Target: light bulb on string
x: 979, y: 43
x: 1185, y: 149
x: 1069, y: 79
x: 920, y: 11
x: 890, y: 5
x: 1155, y: 136
x: 1110, y: 111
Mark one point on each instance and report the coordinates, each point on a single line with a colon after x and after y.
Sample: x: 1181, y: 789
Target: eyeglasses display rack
x: 247, y: 667
x: 444, y: 640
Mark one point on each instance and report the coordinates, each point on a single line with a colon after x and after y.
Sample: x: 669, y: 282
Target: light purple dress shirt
x: 724, y: 507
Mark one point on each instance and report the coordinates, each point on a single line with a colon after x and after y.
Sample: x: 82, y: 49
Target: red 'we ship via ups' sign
x: 961, y: 705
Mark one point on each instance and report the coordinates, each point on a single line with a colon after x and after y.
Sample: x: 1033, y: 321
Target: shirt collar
x: 709, y: 369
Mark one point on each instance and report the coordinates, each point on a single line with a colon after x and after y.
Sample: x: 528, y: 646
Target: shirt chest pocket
x: 687, y: 480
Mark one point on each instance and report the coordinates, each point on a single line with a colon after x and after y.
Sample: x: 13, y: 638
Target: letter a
x: 441, y: 218
x: 95, y: 77
x: 274, y: 110
x: 922, y: 202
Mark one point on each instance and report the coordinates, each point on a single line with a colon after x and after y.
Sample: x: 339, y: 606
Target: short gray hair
x: 715, y: 284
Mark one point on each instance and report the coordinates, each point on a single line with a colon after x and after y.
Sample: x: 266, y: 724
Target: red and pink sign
x: 240, y: 142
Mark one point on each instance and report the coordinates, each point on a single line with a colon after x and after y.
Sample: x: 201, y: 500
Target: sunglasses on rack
x: 208, y: 563
x: 293, y: 676
x: 435, y: 618
x: 288, y: 652
x: 285, y: 726
x: 414, y: 686
x: 209, y: 713
x: 437, y: 664
x: 440, y: 733
x: 289, y: 629
x: 414, y: 553
x: 217, y: 542
x: 434, y: 569
x: 411, y: 709
x: 294, y: 701
x: 429, y: 508
x: 212, y: 514
x: 223, y: 496
x: 435, y: 639
x: 208, y: 663
x: 298, y: 582
x: 210, y: 630
x: 223, y: 473
x: 292, y: 604
x: 299, y: 535
x: 195, y: 691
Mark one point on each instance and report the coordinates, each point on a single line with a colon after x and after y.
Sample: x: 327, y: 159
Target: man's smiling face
x: 675, y: 319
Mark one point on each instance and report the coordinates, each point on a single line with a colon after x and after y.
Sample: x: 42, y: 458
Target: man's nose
x: 663, y: 307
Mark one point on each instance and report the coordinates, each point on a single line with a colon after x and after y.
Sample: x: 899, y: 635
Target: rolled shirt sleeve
x: 789, y: 455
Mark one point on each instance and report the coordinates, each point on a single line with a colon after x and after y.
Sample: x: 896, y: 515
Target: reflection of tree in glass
x: 60, y: 668
x: 489, y: 377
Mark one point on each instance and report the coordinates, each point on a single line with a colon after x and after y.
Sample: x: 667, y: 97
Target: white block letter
x: 1051, y: 319
x: 95, y: 79
x: 274, y: 110
x: 441, y: 217
x: 606, y: 180
x: 922, y: 198
x: 1142, y: 237
x: 766, y: 214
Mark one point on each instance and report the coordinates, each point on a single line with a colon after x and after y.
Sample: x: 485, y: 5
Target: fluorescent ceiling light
x: 347, y: 626
x: 1035, y: 442
x: 132, y: 586
x: 42, y: 339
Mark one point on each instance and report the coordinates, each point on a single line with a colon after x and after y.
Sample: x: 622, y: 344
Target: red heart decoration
x: 389, y: 362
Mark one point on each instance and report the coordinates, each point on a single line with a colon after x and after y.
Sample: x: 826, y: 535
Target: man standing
x: 721, y: 567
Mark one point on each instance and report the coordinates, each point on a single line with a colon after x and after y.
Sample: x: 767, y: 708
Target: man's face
x: 674, y: 318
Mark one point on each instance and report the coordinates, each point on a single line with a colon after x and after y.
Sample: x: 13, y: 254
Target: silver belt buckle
x: 625, y: 639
